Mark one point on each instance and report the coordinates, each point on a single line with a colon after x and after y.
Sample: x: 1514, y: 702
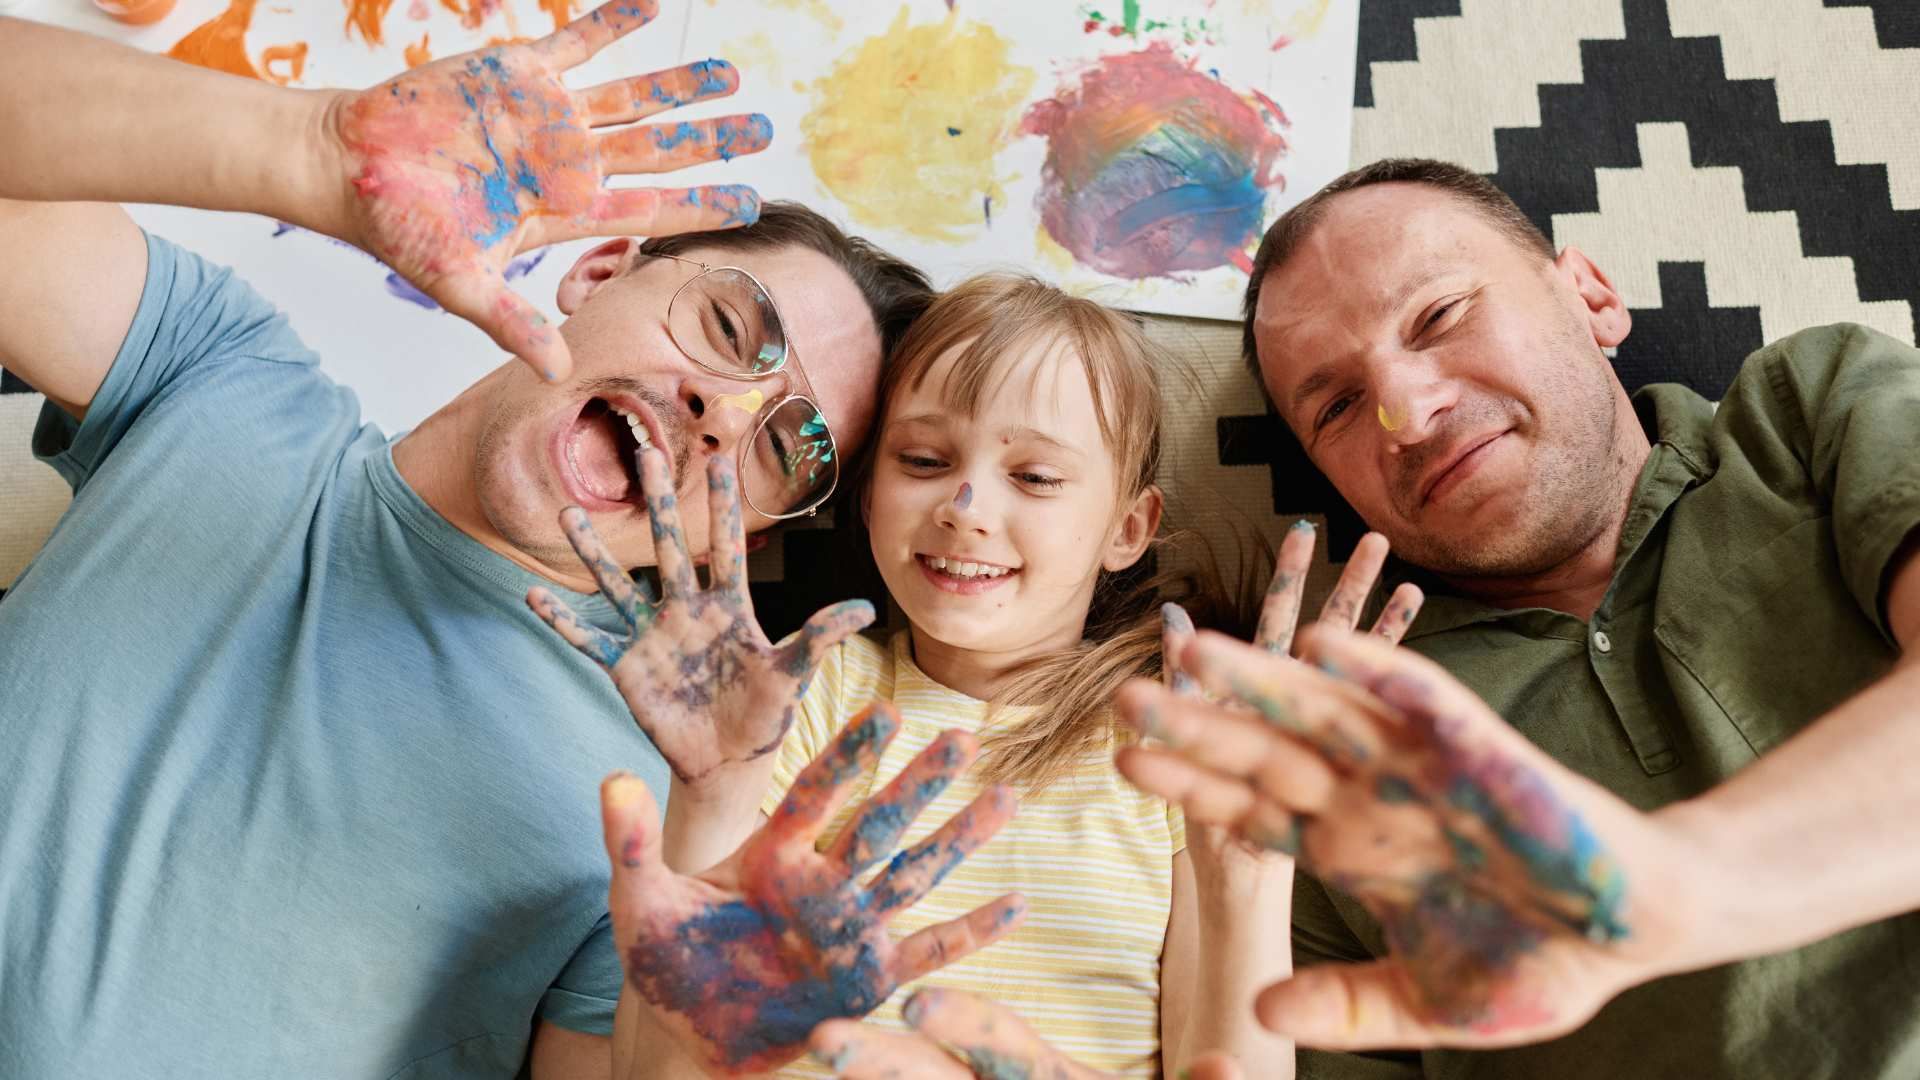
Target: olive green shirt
x: 1746, y: 601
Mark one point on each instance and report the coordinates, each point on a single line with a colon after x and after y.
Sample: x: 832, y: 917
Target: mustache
x: 1469, y: 419
x: 672, y: 428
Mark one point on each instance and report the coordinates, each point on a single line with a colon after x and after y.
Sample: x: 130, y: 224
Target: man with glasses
x: 294, y: 784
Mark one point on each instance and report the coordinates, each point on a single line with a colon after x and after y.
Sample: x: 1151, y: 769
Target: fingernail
x: 1175, y: 618
x: 1303, y: 523
x: 624, y: 791
x: 915, y: 1010
x: 837, y: 1060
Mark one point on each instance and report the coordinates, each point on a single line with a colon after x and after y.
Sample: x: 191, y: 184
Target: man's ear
x: 594, y: 269
x: 1135, y: 530
x: 1606, y: 311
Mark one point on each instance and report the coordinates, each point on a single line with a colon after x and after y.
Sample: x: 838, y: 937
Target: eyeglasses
x: 724, y: 320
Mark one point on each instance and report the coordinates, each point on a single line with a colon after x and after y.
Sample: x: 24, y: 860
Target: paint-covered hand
x: 1515, y: 896
x: 1280, y: 611
x: 452, y: 168
x: 697, y: 671
x: 739, y: 964
x: 962, y: 1037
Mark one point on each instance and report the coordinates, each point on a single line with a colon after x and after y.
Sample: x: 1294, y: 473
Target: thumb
x: 1348, y: 1007
x: 484, y: 299
x: 801, y: 654
x: 1214, y: 1066
x: 630, y: 821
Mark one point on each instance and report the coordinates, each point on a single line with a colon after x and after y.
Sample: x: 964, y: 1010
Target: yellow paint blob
x: 1307, y: 19
x: 1049, y: 250
x: 1389, y: 422
x: 906, y: 127
x: 748, y: 402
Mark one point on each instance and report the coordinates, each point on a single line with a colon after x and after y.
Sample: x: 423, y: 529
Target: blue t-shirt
x: 292, y: 784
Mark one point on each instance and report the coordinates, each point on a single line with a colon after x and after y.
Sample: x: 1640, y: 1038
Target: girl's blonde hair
x: 986, y: 322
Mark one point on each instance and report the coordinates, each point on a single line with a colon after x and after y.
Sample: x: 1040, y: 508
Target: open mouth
x: 963, y: 576
x: 601, y: 448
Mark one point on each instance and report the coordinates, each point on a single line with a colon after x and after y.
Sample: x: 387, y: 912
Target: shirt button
x: 1602, y: 642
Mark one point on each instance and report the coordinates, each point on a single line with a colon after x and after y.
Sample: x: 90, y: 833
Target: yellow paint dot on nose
x: 748, y: 402
x: 1386, y: 421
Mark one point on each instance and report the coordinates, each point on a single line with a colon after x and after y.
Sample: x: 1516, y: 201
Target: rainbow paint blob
x: 1154, y: 168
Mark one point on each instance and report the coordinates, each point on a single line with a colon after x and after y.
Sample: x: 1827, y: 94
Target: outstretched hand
x: 697, y: 672
x: 454, y: 167
x: 1515, y: 896
x: 741, y: 962
x: 962, y: 1037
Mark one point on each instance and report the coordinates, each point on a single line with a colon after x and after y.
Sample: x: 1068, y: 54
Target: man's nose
x: 723, y: 412
x: 1411, y: 404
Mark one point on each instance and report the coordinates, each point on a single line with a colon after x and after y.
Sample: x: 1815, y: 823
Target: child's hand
x: 962, y: 1037
x: 452, y: 168
x: 698, y: 673
x: 1515, y: 896
x: 1280, y: 613
x: 741, y: 962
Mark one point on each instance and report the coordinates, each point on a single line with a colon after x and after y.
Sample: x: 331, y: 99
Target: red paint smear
x: 220, y: 43
x: 1281, y: 42
x: 1240, y: 258
x: 1272, y: 106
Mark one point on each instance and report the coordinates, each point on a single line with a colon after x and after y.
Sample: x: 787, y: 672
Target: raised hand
x: 697, y: 672
x: 741, y: 962
x: 961, y: 1037
x: 458, y: 165
x: 1515, y: 896
x: 1280, y: 612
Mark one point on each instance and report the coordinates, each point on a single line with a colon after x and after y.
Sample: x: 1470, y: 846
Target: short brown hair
x: 1464, y: 184
x: 896, y: 292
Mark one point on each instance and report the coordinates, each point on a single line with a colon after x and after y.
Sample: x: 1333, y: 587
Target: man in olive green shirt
x: 1658, y: 593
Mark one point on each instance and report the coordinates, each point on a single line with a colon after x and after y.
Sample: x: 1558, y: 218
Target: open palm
x: 458, y: 165
x: 740, y: 963
x: 697, y: 672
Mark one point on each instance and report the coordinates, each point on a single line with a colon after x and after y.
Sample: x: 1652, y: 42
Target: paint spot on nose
x: 748, y: 402
x: 964, y: 497
x: 1388, y: 420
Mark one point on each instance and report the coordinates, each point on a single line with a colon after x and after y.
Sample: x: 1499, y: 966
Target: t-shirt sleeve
x: 192, y: 314
x: 814, y: 726
x: 1177, y: 827
x: 1844, y: 402
x: 584, y: 996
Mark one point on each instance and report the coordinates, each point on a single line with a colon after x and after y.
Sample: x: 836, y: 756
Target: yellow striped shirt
x: 1092, y: 854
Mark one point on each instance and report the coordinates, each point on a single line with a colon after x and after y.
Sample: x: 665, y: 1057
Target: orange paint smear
x: 561, y: 10
x: 220, y: 43
x: 495, y: 42
x: 294, y: 56
x: 366, y: 16
x: 418, y: 53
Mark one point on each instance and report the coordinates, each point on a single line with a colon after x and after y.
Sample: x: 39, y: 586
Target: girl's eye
x: 1038, y: 480
x: 920, y: 461
x: 1334, y: 411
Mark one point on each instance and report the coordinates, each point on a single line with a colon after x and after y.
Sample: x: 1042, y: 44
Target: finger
x: 599, y: 646
x: 663, y: 514
x: 863, y: 1052
x: 823, y: 786
x: 630, y: 824
x: 726, y: 537
x: 1349, y: 595
x: 1341, y: 725
x: 1280, y: 611
x: 1213, y: 1067
x: 576, y: 42
x: 876, y: 829
x: 914, y: 872
x: 1203, y: 794
x: 1176, y: 626
x: 658, y: 212
x: 615, y: 583
x: 625, y: 100
x: 1346, y: 1007
x: 658, y: 148
x: 945, y: 943
x: 800, y: 654
x: 1231, y: 742
x: 994, y: 1038
x: 1402, y: 608
x: 484, y: 299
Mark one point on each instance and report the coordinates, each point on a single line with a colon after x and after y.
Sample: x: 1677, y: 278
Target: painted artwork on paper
x: 1129, y: 149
